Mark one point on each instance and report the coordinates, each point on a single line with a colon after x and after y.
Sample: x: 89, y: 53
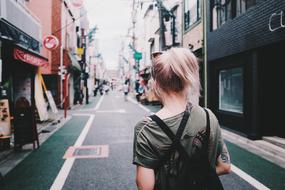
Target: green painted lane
x: 262, y: 170
x: 40, y: 168
x: 92, y: 102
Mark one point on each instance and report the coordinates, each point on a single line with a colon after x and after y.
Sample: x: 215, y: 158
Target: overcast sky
x: 113, y: 17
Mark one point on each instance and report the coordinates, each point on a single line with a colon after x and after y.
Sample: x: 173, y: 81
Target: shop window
x: 192, y: 12
x: 231, y: 90
x: 243, y: 5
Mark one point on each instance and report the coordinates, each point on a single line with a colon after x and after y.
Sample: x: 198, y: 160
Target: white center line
x: 112, y: 111
x: 65, y: 169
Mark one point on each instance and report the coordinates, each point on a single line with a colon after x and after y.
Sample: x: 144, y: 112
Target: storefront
x: 74, y: 69
x: 20, y: 36
x: 245, y: 81
x: 19, y: 67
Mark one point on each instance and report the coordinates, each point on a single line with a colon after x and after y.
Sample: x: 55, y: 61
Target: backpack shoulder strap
x: 166, y: 129
x: 163, y: 126
x: 175, y: 138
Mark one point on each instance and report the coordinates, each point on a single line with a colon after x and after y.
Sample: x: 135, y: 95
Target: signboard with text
x: 29, y: 58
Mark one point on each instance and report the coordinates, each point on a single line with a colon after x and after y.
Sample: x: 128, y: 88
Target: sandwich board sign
x: 51, y: 101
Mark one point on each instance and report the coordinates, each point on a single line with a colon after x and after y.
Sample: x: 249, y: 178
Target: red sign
x: 29, y: 58
x: 50, y: 42
x: 77, y: 3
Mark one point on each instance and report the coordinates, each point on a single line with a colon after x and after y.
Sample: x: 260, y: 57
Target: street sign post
x: 138, y: 55
x: 50, y: 42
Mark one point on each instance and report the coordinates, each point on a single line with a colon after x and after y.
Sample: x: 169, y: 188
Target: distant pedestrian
x: 106, y: 88
x: 101, y: 89
x: 171, y: 149
x: 126, y: 91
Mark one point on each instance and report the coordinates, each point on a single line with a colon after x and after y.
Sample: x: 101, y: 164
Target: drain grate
x: 98, y: 151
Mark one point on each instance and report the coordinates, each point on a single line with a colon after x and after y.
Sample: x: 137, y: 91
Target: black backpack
x: 180, y: 172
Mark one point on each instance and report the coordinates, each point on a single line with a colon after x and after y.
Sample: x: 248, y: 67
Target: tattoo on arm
x: 225, y: 155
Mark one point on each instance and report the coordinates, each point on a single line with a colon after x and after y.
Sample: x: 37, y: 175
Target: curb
x: 13, y: 158
x: 258, y: 147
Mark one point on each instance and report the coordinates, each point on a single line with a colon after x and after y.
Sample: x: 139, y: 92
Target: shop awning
x: 29, y: 57
x: 74, y: 63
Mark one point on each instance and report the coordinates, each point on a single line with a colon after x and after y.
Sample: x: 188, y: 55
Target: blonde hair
x: 177, y: 70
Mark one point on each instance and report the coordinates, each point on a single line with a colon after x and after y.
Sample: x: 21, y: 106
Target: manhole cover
x: 98, y: 151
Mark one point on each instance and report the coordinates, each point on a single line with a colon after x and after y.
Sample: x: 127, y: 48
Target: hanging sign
x: 77, y: 3
x: 138, y: 55
x: 79, y: 51
x: 29, y: 58
x: 50, y: 42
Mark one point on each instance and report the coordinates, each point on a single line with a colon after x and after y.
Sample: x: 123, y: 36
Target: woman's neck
x: 172, y: 105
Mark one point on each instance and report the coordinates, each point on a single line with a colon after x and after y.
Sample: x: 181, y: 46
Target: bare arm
x: 145, y: 178
x: 223, y: 164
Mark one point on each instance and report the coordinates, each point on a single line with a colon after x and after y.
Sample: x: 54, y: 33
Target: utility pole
x: 134, y: 25
x: 161, y: 25
x: 133, y: 39
x: 85, y: 74
x: 134, y: 35
x: 205, y: 58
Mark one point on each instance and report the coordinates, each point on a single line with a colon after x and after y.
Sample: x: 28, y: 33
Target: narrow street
x: 76, y: 76
x: 108, y: 121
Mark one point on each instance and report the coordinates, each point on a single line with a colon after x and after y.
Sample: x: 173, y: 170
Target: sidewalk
x: 268, y: 151
x: 39, y: 168
x: 10, y: 158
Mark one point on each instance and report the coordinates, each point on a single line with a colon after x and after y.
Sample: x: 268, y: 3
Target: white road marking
x: 248, y: 178
x: 82, y: 114
x: 99, y: 102
x: 132, y: 100
x: 84, y: 132
x: 141, y: 106
x: 92, y: 109
x: 112, y: 111
x: 65, y: 169
x: 62, y: 175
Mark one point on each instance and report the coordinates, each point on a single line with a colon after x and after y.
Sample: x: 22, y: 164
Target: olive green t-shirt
x: 151, y: 143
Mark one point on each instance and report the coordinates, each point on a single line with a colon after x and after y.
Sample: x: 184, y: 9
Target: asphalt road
x: 93, y: 150
x: 113, y: 126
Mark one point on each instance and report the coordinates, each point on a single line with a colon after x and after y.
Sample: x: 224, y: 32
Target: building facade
x: 246, y: 41
x: 20, y: 45
x: 193, y: 35
x: 67, y: 62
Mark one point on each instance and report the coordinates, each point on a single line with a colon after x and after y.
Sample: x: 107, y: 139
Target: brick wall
x: 56, y: 26
x: 248, y: 31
